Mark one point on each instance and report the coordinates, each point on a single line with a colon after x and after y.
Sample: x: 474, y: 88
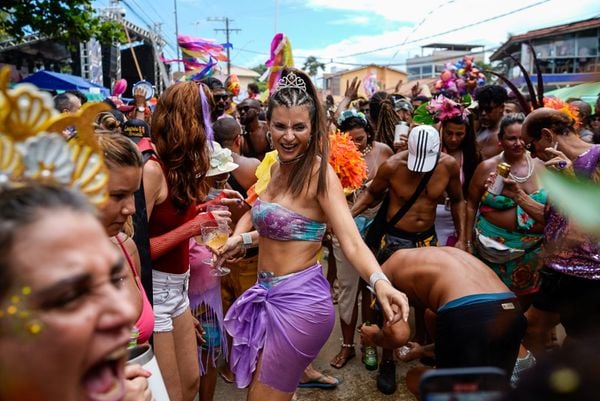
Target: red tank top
x: 165, y: 217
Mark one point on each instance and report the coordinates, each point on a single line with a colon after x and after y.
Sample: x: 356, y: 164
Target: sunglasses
x: 246, y: 108
x: 218, y: 98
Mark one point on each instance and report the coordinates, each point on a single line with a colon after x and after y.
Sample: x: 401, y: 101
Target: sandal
x: 346, y: 353
x: 320, y: 382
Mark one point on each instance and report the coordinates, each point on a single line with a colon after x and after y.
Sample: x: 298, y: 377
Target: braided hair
x: 383, y: 112
x: 318, y: 146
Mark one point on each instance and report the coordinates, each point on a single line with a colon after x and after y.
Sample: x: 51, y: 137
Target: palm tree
x: 312, y: 65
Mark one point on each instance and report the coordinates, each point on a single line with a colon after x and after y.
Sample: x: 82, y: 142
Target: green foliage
x: 312, y: 66
x: 261, y: 68
x: 422, y: 116
x: 68, y: 20
x: 576, y: 197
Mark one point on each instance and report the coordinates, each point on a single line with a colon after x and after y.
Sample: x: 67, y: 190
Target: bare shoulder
x: 487, y: 166
x: 247, y: 163
x: 153, y: 171
x: 448, y: 161
x: 382, y: 148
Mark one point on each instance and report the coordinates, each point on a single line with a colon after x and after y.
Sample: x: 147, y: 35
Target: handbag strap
x: 400, y: 213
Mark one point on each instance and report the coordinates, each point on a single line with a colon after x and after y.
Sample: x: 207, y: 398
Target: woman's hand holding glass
x: 214, y: 235
x: 233, y: 250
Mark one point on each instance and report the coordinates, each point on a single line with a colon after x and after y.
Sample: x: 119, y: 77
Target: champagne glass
x: 211, y: 208
x: 214, y: 236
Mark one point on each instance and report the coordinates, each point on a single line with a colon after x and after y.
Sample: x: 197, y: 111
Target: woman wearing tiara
x: 279, y: 325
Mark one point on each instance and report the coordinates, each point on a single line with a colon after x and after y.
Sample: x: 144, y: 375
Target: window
x: 587, y: 46
x: 565, y: 47
x: 414, y: 72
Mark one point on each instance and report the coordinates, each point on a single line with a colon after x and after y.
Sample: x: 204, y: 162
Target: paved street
x: 357, y: 383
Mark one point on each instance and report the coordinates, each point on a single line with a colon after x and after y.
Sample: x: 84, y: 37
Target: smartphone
x: 464, y: 384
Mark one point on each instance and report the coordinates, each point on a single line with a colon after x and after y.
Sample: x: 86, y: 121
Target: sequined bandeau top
x: 276, y: 222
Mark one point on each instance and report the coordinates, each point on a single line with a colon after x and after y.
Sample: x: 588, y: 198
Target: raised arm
x: 350, y: 94
x: 533, y: 208
x: 160, y: 245
x: 333, y: 203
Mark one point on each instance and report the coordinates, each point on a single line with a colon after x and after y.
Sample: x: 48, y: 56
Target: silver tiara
x: 292, y: 81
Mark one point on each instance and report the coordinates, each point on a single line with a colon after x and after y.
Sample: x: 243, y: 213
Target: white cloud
x: 352, y: 20
x: 434, y: 17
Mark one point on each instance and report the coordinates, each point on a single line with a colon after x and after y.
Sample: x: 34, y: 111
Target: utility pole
x: 176, y: 31
x: 226, y: 30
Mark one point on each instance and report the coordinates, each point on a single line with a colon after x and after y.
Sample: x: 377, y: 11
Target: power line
x: 149, y: 3
x: 446, y: 32
x: 417, y: 26
x: 138, y: 16
x: 227, y: 29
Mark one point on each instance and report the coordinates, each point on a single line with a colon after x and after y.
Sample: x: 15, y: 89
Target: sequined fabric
x: 279, y: 223
x: 569, y: 252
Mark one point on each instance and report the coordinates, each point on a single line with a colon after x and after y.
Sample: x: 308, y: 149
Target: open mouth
x: 289, y: 148
x: 105, y: 380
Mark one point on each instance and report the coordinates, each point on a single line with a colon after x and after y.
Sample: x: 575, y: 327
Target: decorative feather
x: 527, y: 80
x: 280, y: 57
x: 540, y: 79
x: 520, y: 98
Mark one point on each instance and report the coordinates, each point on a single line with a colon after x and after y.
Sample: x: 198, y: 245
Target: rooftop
x: 544, y: 32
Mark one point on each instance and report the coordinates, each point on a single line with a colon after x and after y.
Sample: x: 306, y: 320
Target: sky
x: 345, y: 34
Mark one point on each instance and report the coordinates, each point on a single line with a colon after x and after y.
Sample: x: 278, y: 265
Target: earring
x: 270, y: 139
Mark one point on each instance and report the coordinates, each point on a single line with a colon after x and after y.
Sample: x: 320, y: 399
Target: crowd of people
x: 198, y: 226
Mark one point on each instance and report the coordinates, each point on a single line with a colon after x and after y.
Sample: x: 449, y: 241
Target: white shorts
x: 170, y: 296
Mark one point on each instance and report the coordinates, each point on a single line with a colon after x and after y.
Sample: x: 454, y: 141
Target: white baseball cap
x: 423, y: 148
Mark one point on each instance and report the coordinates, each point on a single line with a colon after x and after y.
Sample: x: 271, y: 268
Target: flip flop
x: 225, y: 378
x: 319, y: 383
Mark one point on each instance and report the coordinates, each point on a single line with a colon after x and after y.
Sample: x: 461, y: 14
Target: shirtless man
x: 491, y: 99
x: 401, y: 174
x: 255, y: 131
x: 478, y: 319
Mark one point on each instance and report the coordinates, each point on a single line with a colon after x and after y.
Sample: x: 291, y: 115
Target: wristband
x: 246, y: 240
x: 374, y: 278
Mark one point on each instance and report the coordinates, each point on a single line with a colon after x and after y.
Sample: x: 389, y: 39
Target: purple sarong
x: 288, y: 322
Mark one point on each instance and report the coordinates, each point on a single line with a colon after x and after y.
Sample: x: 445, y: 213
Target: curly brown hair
x: 179, y: 135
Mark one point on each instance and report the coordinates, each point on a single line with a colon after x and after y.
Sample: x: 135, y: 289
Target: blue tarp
x: 49, y: 80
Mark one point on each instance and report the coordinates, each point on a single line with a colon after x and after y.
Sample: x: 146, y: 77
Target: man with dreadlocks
x: 384, y: 117
x: 414, y: 180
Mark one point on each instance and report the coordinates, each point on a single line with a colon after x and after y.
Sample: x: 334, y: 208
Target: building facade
x: 373, y: 78
x: 432, y: 65
x: 568, y: 54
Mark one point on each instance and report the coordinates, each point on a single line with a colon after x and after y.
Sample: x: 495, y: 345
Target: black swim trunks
x: 481, y: 334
